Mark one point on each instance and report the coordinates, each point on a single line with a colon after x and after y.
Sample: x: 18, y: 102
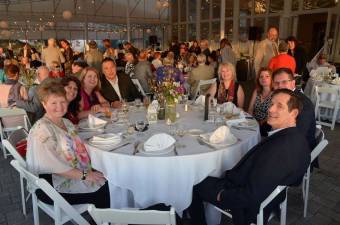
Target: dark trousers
x: 100, y: 198
x: 206, y: 191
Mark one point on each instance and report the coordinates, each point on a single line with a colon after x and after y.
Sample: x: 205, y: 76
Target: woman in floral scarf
x: 228, y: 89
x: 55, y: 152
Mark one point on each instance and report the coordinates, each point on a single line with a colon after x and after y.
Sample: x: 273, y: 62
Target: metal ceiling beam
x: 133, y: 9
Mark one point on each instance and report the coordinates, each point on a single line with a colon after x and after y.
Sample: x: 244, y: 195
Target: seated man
x: 116, y: 87
x: 305, y: 122
x: 268, y: 164
x: 202, y: 72
x: 32, y: 105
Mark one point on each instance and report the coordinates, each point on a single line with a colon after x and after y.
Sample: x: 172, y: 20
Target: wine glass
x: 138, y: 103
x: 125, y: 107
x: 140, y: 125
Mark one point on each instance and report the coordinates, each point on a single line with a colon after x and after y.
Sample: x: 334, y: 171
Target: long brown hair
x: 259, y: 87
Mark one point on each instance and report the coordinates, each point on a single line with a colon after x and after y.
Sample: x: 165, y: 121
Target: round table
x: 143, y: 180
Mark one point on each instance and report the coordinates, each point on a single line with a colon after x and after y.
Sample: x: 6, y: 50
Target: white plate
x: 227, y: 142
x: 85, y: 126
x: 160, y: 152
x: 249, y: 123
x: 195, y: 132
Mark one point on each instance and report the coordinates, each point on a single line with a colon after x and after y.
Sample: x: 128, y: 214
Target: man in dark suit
x: 270, y: 163
x: 116, y: 87
x: 284, y: 78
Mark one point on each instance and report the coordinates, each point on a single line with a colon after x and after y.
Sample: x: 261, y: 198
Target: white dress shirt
x: 115, y: 86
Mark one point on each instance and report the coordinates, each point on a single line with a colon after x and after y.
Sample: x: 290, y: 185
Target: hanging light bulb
x: 67, y: 14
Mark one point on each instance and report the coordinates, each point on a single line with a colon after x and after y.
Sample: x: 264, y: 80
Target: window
x: 183, y: 11
x: 192, y: 11
x: 182, y: 30
x: 205, y: 9
x: 216, y: 31
x: 174, y: 11
x: 205, y: 30
x: 275, y: 6
x: 216, y: 5
x: 260, y: 7
x: 192, y: 31
x: 229, y: 8
x: 245, y: 7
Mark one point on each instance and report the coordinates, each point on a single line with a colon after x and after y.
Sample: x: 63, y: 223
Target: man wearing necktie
x: 267, y: 49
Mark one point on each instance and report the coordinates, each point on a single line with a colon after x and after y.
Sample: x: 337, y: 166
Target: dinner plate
x: 249, y: 123
x: 160, y: 152
x: 85, y: 126
x: 230, y: 140
x: 195, y: 132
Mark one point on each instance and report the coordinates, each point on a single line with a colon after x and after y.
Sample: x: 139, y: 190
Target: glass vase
x: 170, y: 112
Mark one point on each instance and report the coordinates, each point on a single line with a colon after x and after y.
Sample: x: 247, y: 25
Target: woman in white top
x: 55, y: 152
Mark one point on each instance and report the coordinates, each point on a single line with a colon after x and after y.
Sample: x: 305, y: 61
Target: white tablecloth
x: 141, y: 181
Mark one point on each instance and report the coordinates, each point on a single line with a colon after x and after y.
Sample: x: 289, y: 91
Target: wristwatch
x: 84, y: 175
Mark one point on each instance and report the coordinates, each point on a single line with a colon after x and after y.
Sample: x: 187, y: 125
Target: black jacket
x: 280, y: 159
x: 127, y: 89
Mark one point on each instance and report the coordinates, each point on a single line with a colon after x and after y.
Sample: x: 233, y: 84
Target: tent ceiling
x: 99, y: 13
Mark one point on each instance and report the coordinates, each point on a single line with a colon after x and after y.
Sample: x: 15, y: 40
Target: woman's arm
x: 91, y: 176
x: 240, y: 97
x: 252, y: 103
x: 102, y: 100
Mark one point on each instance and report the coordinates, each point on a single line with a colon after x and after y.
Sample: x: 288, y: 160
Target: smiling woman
x: 57, y: 154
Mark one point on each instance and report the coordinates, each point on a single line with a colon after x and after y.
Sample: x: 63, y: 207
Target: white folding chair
x: 203, y: 83
x: 9, y: 144
x: 328, y: 105
x: 12, y: 119
x: 138, y: 86
x: 322, y: 143
x: 132, y: 216
x: 283, y: 207
x: 61, y: 211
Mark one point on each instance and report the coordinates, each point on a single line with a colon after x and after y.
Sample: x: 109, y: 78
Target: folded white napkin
x: 240, y: 119
x: 94, y: 121
x: 200, y: 100
x: 153, y: 107
x: 106, y: 138
x: 159, y: 142
x: 220, y: 135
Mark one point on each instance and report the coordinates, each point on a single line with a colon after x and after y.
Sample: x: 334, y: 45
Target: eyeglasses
x: 283, y: 82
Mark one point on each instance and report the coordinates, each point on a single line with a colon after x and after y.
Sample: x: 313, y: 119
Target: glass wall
x: 205, y: 9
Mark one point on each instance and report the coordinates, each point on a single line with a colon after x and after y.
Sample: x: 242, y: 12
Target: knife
x: 119, y: 146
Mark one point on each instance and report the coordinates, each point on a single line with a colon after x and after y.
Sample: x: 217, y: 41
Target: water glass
x: 138, y: 103
x: 211, y: 117
x: 180, y: 130
x: 140, y: 125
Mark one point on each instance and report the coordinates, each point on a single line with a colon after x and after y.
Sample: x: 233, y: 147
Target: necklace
x: 59, y: 124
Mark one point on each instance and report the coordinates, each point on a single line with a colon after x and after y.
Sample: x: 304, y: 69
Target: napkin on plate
x: 241, y: 118
x: 220, y: 135
x: 200, y: 100
x: 159, y: 142
x: 105, y: 140
x: 94, y: 121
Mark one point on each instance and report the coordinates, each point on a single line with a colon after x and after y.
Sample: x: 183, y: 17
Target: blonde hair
x: 228, y: 66
x: 84, y: 73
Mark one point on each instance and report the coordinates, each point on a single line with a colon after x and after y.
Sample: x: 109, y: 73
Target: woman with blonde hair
x: 91, y: 99
x: 228, y: 89
x: 261, y: 98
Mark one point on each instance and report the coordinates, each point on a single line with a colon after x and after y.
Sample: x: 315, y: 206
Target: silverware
x: 243, y: 128
x: 135, y: 146
x: 119, y: 146
x: 175, y: 150
x: 201, y: 142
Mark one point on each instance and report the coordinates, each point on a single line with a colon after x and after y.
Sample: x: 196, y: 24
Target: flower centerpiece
x: 167, y: 92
